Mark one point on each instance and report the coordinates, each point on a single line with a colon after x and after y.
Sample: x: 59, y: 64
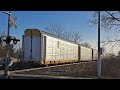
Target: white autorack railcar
x: 44, y: 48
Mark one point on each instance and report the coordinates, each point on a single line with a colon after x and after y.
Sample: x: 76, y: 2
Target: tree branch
x: 113, y: 16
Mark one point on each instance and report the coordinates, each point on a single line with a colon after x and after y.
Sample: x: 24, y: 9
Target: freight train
x: 44, y: 48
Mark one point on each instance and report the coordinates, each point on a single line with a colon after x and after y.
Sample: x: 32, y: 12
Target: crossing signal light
x: 10, y: 38
x: 15, y: 40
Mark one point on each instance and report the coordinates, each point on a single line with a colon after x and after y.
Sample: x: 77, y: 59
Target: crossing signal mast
x: 11, y: 22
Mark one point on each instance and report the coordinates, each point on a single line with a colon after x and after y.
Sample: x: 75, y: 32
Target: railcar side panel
x: 32, y: 48
x: 95, y: 54
x: 86, y: 53
x: 47, y: 49
x: 36, y: 48
x: 27, y: 49
x: 58, y: 50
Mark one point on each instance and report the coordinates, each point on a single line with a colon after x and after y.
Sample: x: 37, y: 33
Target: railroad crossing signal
x: 10, y: 38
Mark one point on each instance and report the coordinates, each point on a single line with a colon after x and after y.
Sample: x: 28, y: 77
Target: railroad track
x: 24, y: 76
x: 47, y: 67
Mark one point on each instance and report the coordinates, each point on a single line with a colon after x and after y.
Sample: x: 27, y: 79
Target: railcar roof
x: 49, y: 34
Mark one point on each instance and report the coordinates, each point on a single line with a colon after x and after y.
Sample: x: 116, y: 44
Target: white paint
x: 36, y: 49
x: 27, y: 48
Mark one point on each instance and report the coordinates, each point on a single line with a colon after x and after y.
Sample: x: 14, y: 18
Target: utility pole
x: 99, y: 51
x: 6, y: 70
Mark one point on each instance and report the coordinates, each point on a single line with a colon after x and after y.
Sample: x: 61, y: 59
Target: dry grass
x: 110, y: 70
x: 76, y: 70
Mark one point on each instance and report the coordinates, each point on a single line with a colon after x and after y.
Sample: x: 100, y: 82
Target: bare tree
x: 55, y: 29
x: 73, y: 36
x: 18, y: 51
x: 67, y: 35
x: 86, y: 44
x: 58, y: 30
x: 76, y: 37
x: 110, y: 22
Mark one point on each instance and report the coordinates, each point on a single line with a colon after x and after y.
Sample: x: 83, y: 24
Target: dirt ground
x: 87, y: 69
x: 110, y: 70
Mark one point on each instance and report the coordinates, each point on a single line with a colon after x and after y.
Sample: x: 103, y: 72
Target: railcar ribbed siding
x: 86, y: 53
x: 95, y: 54
x: 63, y: 51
